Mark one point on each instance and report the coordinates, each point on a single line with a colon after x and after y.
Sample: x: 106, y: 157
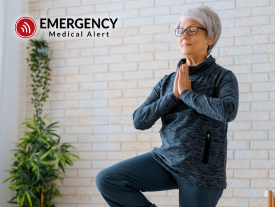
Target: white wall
x: 12, y: 89
x: 98, y: 83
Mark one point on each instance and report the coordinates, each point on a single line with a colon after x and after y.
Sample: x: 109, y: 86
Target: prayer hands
x: 182, y: 81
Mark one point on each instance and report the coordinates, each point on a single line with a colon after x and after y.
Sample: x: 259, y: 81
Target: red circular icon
x: 25, y: 27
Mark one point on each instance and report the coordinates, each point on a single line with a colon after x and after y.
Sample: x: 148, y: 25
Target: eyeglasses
x: 190, y: 31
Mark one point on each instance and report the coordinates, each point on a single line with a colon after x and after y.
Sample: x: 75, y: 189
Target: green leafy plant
x: 39, y: 58
x: 38, y: 156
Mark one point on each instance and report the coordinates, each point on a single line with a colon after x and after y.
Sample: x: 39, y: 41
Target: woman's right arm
x: 154, y: 107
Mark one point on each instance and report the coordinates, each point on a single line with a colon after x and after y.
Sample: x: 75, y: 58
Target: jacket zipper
x: 206, y: 147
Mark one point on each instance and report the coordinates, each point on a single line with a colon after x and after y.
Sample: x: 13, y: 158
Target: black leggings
x: 122, y: 184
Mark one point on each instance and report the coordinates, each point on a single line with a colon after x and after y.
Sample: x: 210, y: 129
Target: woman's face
x: 199, y: 43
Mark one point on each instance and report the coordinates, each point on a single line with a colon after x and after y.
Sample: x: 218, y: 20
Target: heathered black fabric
x: 194, y: 127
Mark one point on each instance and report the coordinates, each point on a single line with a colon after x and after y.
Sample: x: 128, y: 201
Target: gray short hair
x: 207, y: 18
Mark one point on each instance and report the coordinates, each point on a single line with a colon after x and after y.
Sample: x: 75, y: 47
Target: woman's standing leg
x: 191, y: 195
x: 121, y: 184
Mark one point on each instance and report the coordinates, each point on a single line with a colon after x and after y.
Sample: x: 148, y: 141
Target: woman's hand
x: 184, y: 83
x: 175, y: 89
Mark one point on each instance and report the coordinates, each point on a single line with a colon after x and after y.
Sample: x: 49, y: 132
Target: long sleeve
x: 225, y: 107
x: 154, y: 106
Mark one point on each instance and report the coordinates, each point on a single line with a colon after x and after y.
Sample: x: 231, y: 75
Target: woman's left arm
x: 225, y: 107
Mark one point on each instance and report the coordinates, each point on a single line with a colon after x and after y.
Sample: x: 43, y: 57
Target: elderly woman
x: 195, y: 104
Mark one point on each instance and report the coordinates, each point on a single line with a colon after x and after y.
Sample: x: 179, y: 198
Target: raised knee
x: 100, y: 177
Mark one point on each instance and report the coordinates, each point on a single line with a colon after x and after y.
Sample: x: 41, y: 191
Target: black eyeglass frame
x: 187, y: 31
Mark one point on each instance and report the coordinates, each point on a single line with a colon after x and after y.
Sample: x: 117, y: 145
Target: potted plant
x: 38, y: 156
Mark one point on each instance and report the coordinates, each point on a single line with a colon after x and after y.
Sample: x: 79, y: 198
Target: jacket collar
x: 195, y: 69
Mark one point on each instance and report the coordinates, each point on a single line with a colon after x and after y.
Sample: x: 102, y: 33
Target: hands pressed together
x: 182, y: 81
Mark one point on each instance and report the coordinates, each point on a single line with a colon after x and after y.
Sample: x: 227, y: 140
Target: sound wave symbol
x: 26, y: 29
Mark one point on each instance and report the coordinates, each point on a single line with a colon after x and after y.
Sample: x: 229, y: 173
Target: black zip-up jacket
x: 194, y: 127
